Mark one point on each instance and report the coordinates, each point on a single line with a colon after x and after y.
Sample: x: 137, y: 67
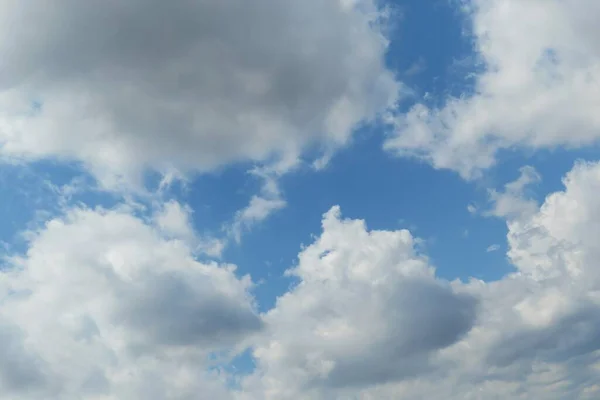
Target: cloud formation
x: 368, y: 319
x: 190, y: 85
x: 539, y: 89
x: 367, y: 310
x: 103, y: 305
x: 107, y: 304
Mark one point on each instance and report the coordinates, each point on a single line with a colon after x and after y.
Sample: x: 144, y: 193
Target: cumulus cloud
x: 186, y: 85
x: 562, y: 233
x: 104, y: 305
x: 539, y: 88
x: 369, y: 320
x: 107, y: 304
x: 536, y: 335
x: 367, y: 310
x: 542, y: 321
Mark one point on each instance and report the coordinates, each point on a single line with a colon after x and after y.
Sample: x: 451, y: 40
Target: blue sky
x: 151, y: 148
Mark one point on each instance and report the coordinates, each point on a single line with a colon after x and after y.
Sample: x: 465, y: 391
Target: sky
x: 318, y: 199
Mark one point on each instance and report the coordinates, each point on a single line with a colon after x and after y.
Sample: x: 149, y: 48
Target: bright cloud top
x: 368, y: 310
x: 190, y: 85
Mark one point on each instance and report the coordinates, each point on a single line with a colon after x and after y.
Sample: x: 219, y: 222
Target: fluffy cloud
x: 540, y: 87
x: 560, y: 237
x: 103, y: 305
x: 190, y: 85
x: 367, y: 310
x: 368, y: 319
x: 537, y: 331
x: 541, y: 323
x: 173, y: 220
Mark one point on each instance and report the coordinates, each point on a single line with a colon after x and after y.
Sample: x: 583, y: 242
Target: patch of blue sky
x: 431, y: 50
x: 239, y: 367
x: 32, y: 193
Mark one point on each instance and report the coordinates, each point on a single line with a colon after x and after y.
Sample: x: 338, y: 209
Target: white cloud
x: 513, y: 201
x: 367, y: 310
x: 539, y: 326
x: 104, y: 306
x: 257, y: 210
x: 340, y: 333
x: 540, y: 88
x: 173, y: 220
x: 537, y: 330
x: 260, y: 206
x: 186, y: 85
x: 563, y: 231
x: 493, y: 247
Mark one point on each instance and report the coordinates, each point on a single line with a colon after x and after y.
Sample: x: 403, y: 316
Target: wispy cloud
x: 492, y: 248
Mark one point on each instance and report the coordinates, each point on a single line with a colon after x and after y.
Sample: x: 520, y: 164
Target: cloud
x: 416, y: 68
x: 561, y: 232
x: 368, y: 319
x: 173, y: 220
x: 536, y: 334
x: 493, y: 247
x: 538, y: 89
x: 257, y: 210
x: 104, y: 304
x: 513, y: 200
x: 543, y: 319
x: 187, y: 85
x: 260, y: 207
x: 107, y: 305
x: 20, y: 372
x: 367, y: 310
